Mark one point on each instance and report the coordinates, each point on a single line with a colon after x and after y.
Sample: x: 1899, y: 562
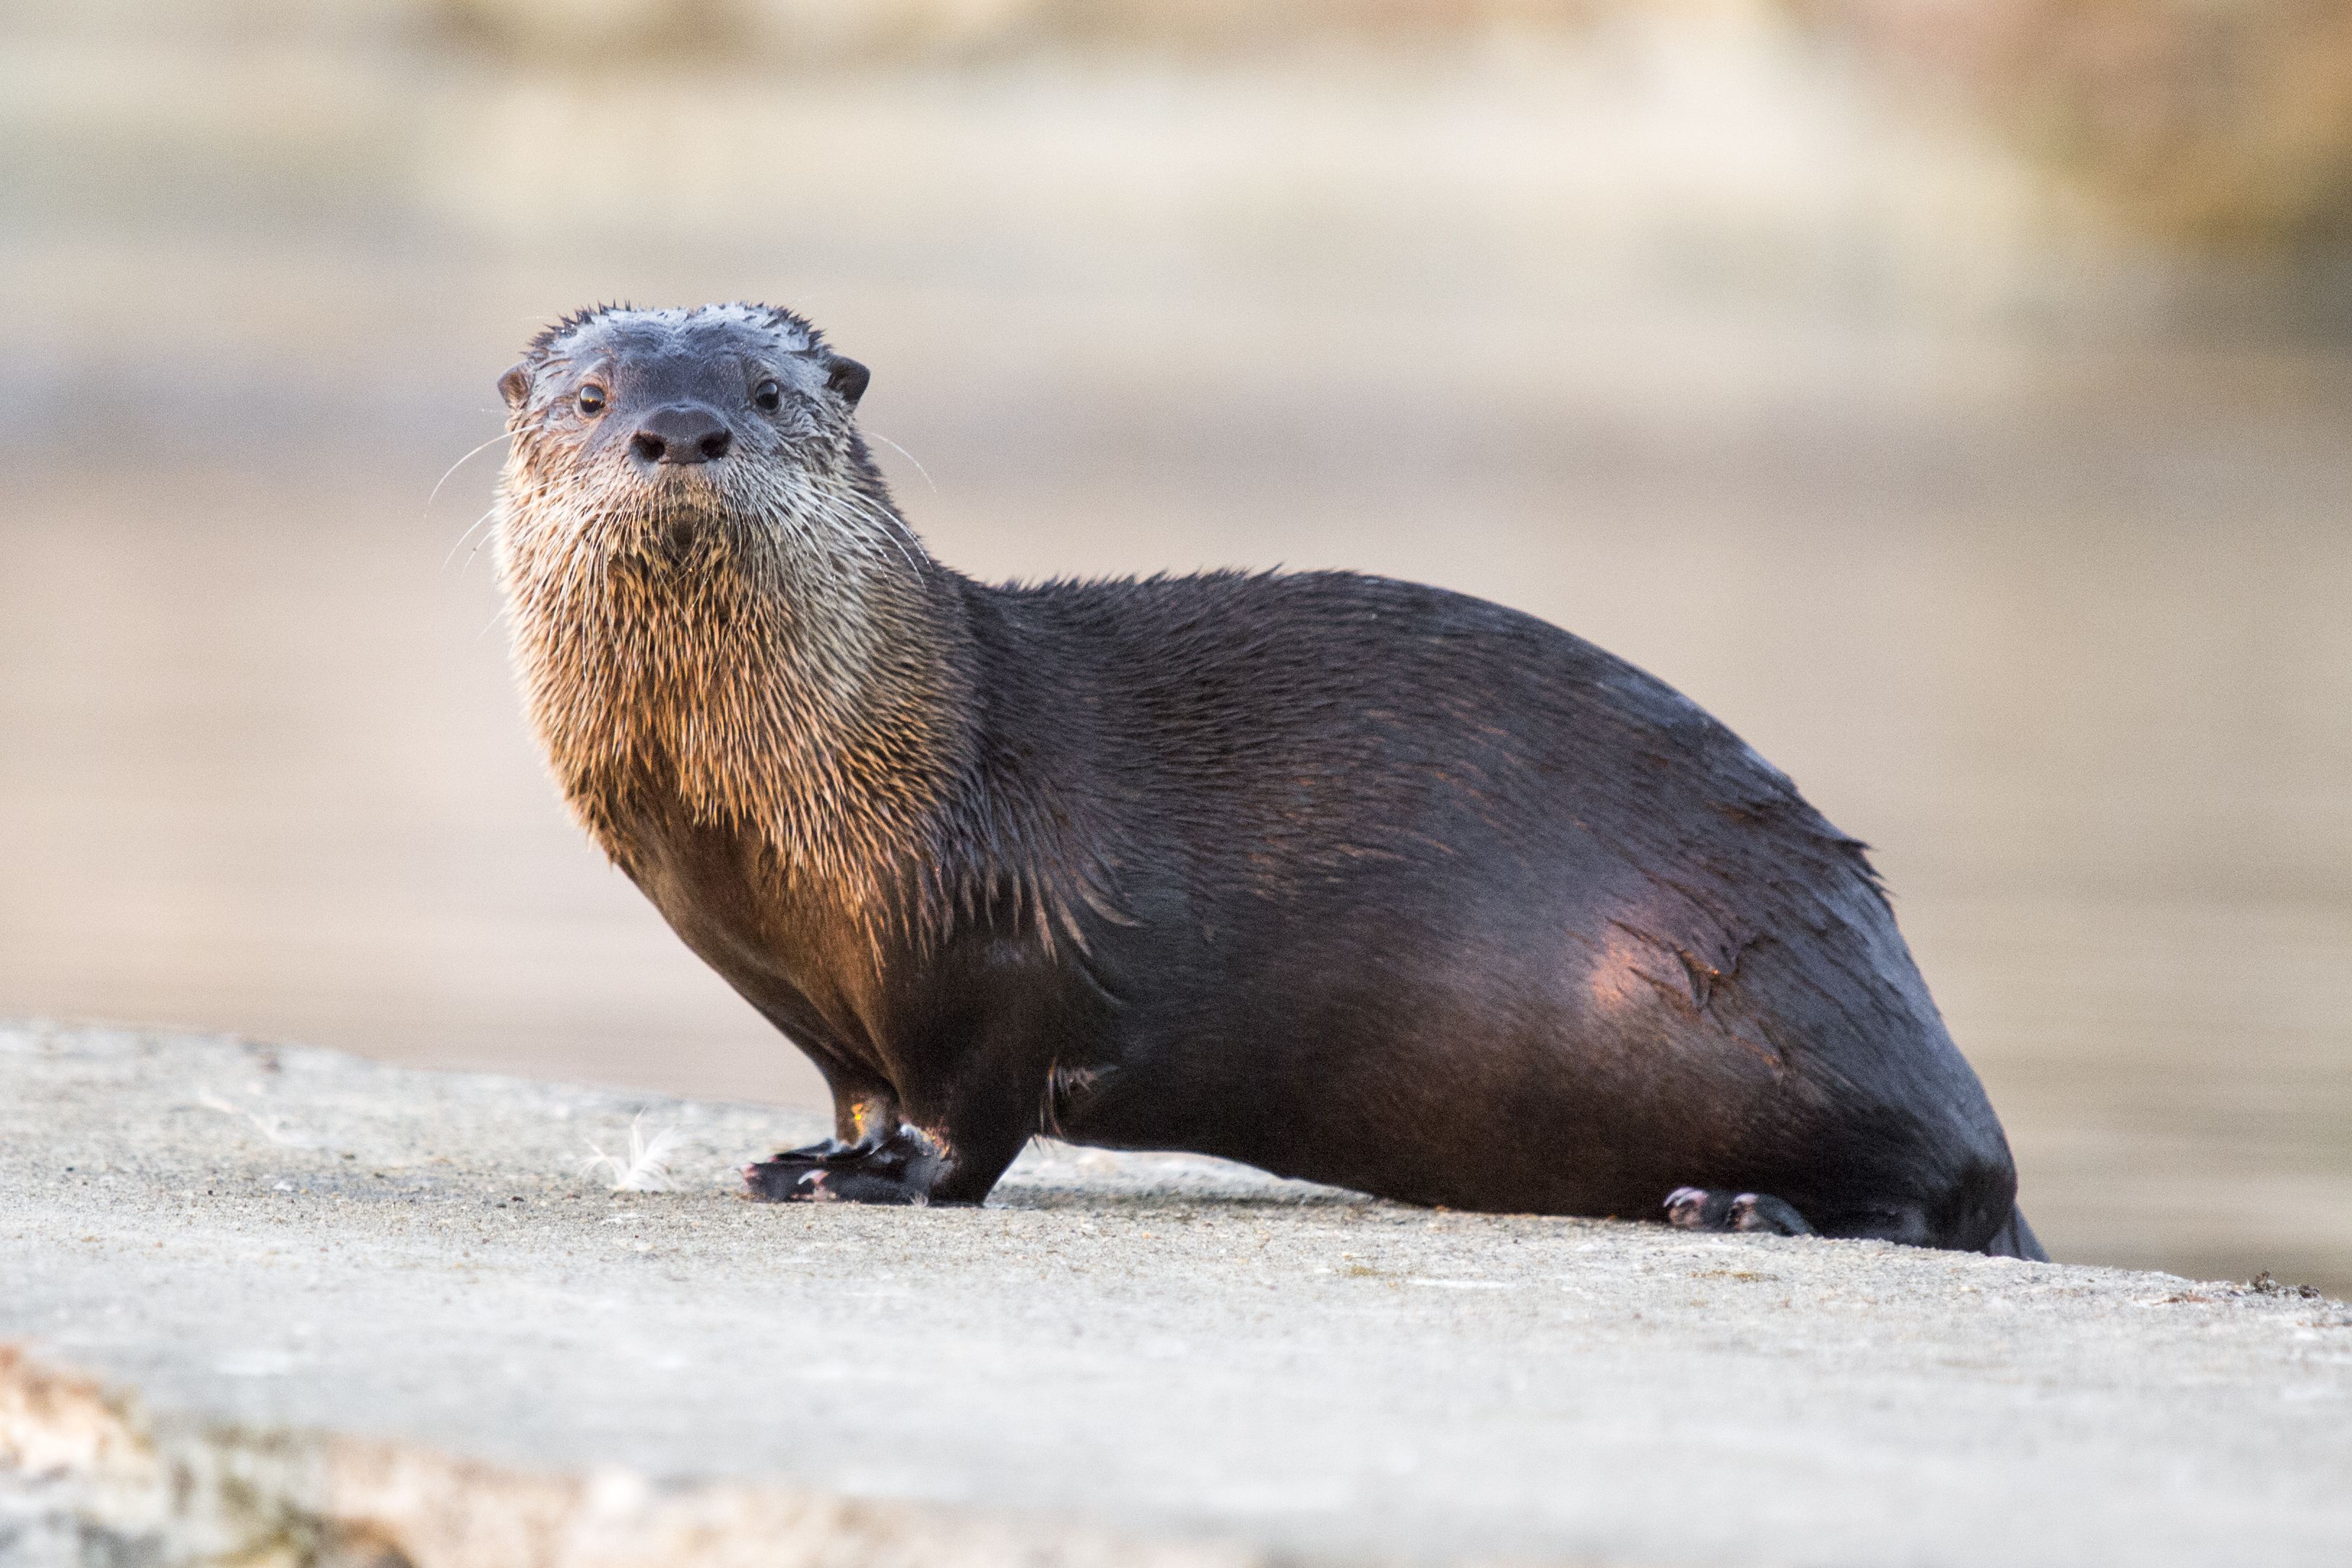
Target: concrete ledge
x: 85, y: 1477
x: 395, y: 1298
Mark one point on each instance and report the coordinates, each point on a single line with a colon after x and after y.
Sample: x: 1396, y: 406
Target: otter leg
x: 865, y: 1123
x: 898, y: 1167
x: 1699, y: 1208
x: 962, y: 1122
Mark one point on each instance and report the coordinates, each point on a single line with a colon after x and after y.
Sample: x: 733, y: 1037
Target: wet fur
x: 1352, y: 879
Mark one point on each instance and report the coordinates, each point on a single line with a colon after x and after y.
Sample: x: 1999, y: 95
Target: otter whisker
x: 461, y: 461
x: 901, y: 451
x: 454, y: 548
x: 850, y: 505
x: 900, y: 542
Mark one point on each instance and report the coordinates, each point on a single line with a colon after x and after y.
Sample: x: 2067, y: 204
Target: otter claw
x: 1697, y: 1209
x: 825, y: 1152
x: 796, y: 1176
x: 897, y: 1169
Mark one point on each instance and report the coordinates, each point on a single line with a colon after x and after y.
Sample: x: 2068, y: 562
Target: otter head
x: 711, y: 593
x: 665, y: 430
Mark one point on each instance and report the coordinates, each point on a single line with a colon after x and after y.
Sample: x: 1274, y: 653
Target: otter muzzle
x: 681, y: 434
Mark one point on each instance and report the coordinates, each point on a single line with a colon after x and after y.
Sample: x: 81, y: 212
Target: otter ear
x: 846, y: 376
x: 515, y: 385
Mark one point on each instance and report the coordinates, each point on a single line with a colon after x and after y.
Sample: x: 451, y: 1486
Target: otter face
x: 735, y: 410
x: 709, y: 591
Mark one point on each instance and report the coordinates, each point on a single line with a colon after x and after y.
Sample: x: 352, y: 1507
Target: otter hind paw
x: 1699, y: 1208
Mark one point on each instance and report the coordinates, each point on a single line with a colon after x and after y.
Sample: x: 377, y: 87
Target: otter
x: 1350, y: 879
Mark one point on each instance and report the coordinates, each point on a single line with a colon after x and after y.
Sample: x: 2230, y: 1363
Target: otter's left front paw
x: 792, y: 1178
x: 897, y: 1169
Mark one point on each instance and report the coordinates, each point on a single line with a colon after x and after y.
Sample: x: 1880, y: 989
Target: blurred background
x: 1952, y: 395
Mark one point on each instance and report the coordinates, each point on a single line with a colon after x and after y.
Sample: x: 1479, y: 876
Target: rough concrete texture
x: 85, y: 1477
x: 266, y: 1240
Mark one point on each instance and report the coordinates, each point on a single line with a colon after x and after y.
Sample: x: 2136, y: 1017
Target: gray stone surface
x: 1162, y: 1346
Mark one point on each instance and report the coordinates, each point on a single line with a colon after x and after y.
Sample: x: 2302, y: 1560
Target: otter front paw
x: 899, y: 1169
x: 790, y: 1176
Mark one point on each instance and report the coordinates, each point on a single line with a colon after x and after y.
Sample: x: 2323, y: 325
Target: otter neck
x: 808, y: 698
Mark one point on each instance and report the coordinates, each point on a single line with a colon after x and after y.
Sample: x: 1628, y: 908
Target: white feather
x: 647, y: 1168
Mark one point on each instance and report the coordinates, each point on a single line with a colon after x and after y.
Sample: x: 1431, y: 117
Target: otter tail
x: 2015, y: 1239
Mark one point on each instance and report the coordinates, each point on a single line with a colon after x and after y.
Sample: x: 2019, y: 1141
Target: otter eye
x: 591, y: 399
x: 768, y: 396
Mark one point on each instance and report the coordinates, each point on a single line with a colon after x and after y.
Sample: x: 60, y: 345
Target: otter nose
x: 681, y: 434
